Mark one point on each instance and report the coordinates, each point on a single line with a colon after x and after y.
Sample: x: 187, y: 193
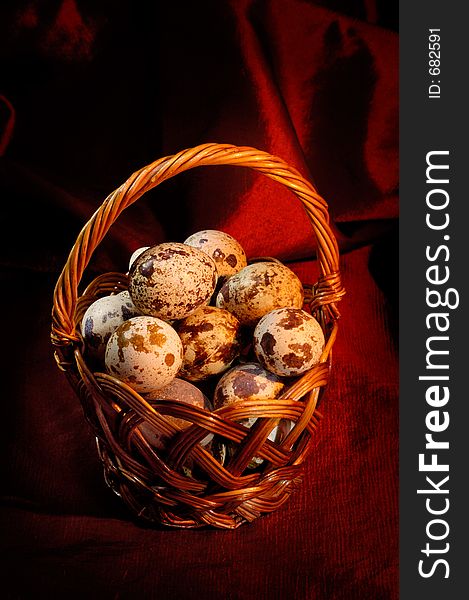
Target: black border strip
x: 434, y: 237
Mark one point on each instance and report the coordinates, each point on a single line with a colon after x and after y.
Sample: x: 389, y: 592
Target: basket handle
x: 328, y: 289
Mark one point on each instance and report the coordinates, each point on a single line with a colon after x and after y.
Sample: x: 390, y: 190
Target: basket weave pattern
x: 154, y: 485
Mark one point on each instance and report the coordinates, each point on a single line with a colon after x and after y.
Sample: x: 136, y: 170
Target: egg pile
x: 197, y: 313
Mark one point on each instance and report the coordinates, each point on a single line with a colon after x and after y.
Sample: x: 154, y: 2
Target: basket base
x: 162, y: 506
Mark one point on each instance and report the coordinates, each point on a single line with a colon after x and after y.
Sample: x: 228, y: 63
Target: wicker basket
x: 154, y: 485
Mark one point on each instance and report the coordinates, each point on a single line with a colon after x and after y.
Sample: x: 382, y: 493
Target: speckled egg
x: 102, y: 318
x: 211, y: 339
x: 171, y: 280
x: 288, y: 341
x: 144, y: 352
x: 136, y: 254
x: 250, y: 382
x: 259, y: 288
x: 227, y: 252
x: 181, y: 391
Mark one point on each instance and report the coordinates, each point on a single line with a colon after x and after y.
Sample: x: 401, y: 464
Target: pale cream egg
x: 144, y: 352
x: 136, y: 254
x: 227, y: 253
x: 102, y: 318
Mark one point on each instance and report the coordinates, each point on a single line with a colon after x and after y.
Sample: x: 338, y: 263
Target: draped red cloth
x: 89, y: 93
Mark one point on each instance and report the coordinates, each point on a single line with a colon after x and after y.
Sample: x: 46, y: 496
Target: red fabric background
x: 89, y: 93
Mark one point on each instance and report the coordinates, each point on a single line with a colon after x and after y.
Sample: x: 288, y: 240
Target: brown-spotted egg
x: 246, y: 382
x: 227, y: 252
x: 259, y: 288
x: 102, y: 318
x: 250, y: 382
x: 211, y: 340
x: 288, y: 341
x: 180, y: 391
x: 171, y: 280
x: 144, y: 352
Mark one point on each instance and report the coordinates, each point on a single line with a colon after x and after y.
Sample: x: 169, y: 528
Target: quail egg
x: 259, y: 288
x: 171, y: 280
x: 227, y: 252
x: 211, y: 339
x: 288, y: 341
x: 136, y: 254
x: 102, y: 318
x: 144, y: 352
x: 180, y: 391
x: 250, y: 382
